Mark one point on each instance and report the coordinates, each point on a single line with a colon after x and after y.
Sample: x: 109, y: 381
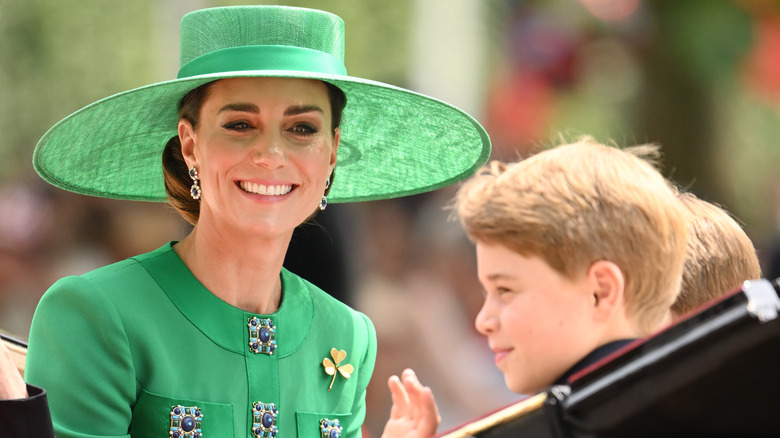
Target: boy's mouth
x: 500, y: 354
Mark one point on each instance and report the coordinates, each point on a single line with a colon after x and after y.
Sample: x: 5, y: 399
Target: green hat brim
x: 394, y: 142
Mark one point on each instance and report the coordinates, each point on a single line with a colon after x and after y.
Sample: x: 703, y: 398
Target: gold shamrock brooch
x: 345, y: 370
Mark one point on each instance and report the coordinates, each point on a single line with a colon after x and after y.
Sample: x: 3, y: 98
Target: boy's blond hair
x: 579, y: 203
x: 720, y: 255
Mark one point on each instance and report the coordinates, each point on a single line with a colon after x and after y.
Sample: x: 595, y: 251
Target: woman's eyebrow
x: 300, y: 109
x: 252, y: 108
x: 242, y: 107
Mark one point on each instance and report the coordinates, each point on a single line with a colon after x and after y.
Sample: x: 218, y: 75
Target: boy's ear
x: 608, y: 284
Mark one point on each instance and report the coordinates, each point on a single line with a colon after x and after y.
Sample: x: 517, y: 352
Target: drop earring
x: 324, y: 200
x: 195, y: 189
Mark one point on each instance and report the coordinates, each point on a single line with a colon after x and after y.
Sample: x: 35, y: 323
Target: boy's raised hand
x: 414, y: 413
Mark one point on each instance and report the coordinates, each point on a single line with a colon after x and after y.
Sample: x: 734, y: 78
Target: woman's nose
x: 268, y: 151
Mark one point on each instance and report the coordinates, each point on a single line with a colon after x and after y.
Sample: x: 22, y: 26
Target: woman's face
x: 264, y: 149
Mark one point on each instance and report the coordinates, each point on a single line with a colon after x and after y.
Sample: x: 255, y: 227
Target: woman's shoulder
x: 129, y: 265
x: 319, y: 297
x: 122, y: 275
x: 325, y: 305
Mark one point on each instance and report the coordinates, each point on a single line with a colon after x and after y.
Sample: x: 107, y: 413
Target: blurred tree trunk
x: 691, y: 59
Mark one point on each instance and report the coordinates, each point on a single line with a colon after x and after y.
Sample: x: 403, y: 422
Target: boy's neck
x: 596, y: 356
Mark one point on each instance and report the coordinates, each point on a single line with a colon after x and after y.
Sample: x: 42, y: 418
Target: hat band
x: 265, y: 57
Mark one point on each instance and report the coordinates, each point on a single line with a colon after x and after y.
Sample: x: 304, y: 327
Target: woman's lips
x: 267, y: 190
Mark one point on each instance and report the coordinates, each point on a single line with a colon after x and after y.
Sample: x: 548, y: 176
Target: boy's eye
x: 237, y: 126
x: 505, y: 292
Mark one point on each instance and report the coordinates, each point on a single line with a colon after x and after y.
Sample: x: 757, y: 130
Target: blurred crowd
x: 404, y: 262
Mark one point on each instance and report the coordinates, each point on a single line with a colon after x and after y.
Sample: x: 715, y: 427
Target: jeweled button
x: 187, y: 424
x: 268, y: 420
x: 265, y: 335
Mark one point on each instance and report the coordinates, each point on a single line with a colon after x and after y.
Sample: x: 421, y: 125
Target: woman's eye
x: 237, y: 126
x: 304, y: 129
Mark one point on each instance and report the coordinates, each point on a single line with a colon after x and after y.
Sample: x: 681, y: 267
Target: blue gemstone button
x: 264, y: 420
x: 330, y: 428
x: 187, y: 424
x: 261, y: 335
x: 265, y: 335
x: 268, y: 420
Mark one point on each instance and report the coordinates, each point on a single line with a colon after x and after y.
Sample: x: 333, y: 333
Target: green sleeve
x: 367, y: 369
x: 79, y: 352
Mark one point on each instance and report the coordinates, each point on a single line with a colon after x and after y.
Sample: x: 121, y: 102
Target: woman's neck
x: 243, y: 271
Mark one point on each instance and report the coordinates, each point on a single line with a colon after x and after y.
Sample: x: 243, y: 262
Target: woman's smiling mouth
x: 260, y: 189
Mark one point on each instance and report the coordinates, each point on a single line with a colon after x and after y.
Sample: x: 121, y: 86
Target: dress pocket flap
x: 156, y: 415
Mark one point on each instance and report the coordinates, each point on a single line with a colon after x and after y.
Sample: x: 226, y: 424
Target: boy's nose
x: 486, y: 321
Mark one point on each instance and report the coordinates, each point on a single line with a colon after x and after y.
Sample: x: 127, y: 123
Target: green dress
x: 140, y: 348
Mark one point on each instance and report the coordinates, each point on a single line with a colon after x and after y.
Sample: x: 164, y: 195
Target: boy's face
x: 536, y: 320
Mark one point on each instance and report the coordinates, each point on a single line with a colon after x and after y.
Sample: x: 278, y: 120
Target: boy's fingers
x: 399, y: 396
x: 422, y: 401
x: 414, y: 388
x: 432, y: 418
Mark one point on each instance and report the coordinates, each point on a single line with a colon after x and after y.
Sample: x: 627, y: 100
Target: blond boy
x: 580, y: 250
x: 720, y: 255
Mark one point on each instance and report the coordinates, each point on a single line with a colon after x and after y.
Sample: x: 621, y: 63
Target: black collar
x: 594, y: 356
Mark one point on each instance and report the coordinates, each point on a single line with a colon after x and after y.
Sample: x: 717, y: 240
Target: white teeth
x: 274, y: 190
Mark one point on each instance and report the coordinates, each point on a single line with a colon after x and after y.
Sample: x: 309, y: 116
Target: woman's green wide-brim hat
x: 394, y: 142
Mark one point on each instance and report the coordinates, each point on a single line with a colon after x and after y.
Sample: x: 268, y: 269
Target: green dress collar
x: 221, y: 322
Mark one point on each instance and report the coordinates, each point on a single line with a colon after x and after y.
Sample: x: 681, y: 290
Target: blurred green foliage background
x: 699, y: 77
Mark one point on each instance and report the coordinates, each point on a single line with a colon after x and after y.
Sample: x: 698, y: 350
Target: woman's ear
x: 608, y: 284
x: 187, y: 139
x: 334, y: 151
